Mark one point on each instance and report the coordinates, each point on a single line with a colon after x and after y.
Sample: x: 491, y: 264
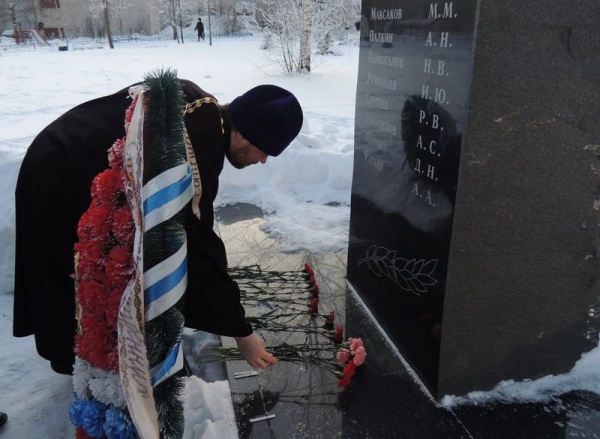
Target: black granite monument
x: 474, y: 233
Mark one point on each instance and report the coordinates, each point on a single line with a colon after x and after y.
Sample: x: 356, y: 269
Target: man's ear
x: 239, y: 139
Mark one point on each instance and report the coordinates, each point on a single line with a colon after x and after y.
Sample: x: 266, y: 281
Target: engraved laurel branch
x: 411, y: 275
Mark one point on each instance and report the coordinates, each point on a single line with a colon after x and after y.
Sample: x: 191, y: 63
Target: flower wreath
x: 104, y: 266
x: 111, y: 290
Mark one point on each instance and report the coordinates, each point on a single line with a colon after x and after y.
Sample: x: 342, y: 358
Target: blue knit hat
x: 268, y: 116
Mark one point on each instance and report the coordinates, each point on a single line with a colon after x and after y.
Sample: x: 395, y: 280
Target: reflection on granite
x: 384, y: 400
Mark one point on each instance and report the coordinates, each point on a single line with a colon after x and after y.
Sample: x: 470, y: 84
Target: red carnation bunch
x: 105, y: 265
x: 350, y: 358
x: 324, y: 345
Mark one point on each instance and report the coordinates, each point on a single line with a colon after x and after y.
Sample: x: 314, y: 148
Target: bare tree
x: 107, y: 24
x: 11, y: 9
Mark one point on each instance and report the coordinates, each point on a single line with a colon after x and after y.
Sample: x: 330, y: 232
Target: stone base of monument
x: 385, y: 398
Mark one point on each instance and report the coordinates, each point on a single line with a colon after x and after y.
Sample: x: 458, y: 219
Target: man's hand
x: 253, y: 349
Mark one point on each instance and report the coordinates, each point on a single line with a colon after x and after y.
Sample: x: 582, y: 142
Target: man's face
x: 242, y: 153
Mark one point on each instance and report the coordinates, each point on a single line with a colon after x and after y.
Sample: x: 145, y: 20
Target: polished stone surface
x: 384, y: 399
x: 411, y: 107
x: 475, y: 220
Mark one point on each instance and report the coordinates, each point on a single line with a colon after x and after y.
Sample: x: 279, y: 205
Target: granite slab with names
x: 475, y: 220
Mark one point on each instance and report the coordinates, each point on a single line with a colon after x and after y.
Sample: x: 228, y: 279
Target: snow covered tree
x: 223, y: 17
x: 103, y: 11
x: 176, y: 13
x: 281, y: 19
x: 295, y: 42
x: 228, y: 20
x: 305, y: 38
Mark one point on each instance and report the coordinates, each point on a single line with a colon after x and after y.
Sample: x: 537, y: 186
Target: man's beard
x: 235, y: 162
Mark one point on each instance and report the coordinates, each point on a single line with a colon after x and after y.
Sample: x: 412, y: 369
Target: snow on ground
x: 585, y: 375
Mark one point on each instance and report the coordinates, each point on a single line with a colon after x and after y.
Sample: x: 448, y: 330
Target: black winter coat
x: 53, y: 191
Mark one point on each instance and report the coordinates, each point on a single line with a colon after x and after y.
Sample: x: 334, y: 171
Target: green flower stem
x: 327, y: 364
x: 297, y: 329
x: 257, y: 271
x: 281, y: 296
x: 251, y: 289
x: 278, y: 288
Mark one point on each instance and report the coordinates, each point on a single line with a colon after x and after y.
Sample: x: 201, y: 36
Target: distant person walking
x: 200, y: 28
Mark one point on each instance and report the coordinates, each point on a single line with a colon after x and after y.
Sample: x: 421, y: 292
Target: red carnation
x: 123, y: 227
x: 106, y: 185
x: 338, y: 337
x: 350, y: 369
x: 309, y: 269
x: 344, y: 381
x: 84, y: 231
x: 349, y: 372
x: 314, y: 305
x: 118, y: 283
x: 91, y: 294
x: 115, y: 154
x: 329, y: 320
x: 342, y: 356
x: 119, y: 265
x: 94, y: 223
x: 120, y: 255
x: 359, y: 356
x: 91, y: 258
x: 315, y: 287
x: 96, y: 341
x: 81, y: 434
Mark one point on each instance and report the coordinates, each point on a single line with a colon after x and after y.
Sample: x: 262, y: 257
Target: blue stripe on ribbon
x: 168, y: 193
x: 166, y: 284
x: 167, y: 365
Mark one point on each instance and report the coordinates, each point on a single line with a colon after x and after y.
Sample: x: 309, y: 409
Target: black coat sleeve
x: 212, y: 297
x: 212, y: 301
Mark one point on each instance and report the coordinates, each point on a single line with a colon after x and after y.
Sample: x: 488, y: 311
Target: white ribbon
x: 133, y: 361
